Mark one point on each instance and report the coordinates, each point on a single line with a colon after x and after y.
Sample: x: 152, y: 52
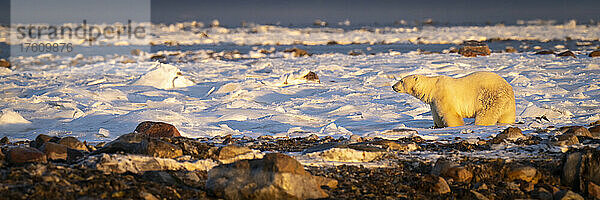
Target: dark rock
x: 41, y: 139
x: 136, y: 52
x: 595, y: 123
x: 276, y: 176
x: 542, y: 194
x: 579, y: 167
x: 527, y: 186
x: 510, y: 49
x: 311, y: 76
x: 478, y: 195
x: 437, y: 184
x: 157, y: 129
x: 566, y: 53
x: 452, y: 171
x: 19, y: 155
x: 296, y: 52
x: 231, y: 151
x: 510, y: 133
x: 525, y: 173
x: 566, y: 140
x: 4, y: 140
x: 595, y: 131
x: 54, y: 151
x: 593, y: 190
x: 136, y: 143
x: 73, y: 143
x: 162, y: 149
x: 567, y: 195
x: 544, y: 52
x: 474, y: 48
x: 576, y: 130
x: 594, y: 54
x: 4, y: 63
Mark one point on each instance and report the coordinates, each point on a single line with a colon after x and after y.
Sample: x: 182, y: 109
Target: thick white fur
x: 485, y: 96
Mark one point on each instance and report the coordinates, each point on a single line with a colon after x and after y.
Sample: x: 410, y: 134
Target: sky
x: 233, y: 12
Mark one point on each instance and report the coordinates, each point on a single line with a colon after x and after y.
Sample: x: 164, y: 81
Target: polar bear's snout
x: 398, y: 87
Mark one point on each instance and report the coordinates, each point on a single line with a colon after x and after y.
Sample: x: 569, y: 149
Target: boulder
x: 566, y: 53
x: 276, y: 176
x: 510, y: 133
x: 594, y: 54
x: 54, y: 151
x: 567, y: 195
x: 595, y: 131
x: 449, y: 170
x: 576, y: 130
x: 231, y: 151
x: 157, y: 129
x: 73, y: 143
x: 136, y: 143
x: 4, y: 63
x: 436, y: 184
x: 19, y: 155
x: 311, y: 76
x: 566, y: 140
x: 4, y: 140
x: 580, y: 167
x: 525, y: 173
x: 474, y: 48
x: 544, y: 52
x: 593, y: 190
x: 41, y: 139
x: 296, y: 52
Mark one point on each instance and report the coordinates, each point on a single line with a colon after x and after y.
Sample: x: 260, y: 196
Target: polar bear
x: 485, y: 96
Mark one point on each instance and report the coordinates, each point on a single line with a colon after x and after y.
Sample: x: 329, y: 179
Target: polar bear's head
x: 416, y: 85
x: 407, y: 84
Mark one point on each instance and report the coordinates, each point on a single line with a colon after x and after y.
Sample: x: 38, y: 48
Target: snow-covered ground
x: 191, y: 33
x: 101, y: 97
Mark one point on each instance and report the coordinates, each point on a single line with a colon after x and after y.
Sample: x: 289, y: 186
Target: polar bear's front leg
x: 452, y: 119
x: 437, y: 120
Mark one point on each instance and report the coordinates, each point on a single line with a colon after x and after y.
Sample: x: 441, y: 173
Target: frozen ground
x: 99, y: 98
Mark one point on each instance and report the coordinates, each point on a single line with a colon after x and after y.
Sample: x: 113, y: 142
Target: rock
x: 595, y: 131
x: 41, y: 139
x: 597, y: 122
x: 594, y: 54
x: 579, y: 167
x: 567, y: 195
x: 459, y: 174
x: 527, y: 186
x: 136, y: 52
x: 311, y: 76
x: 162, y: 149
x: 296, y: 52
x: 510, y: 133
x: 147, y: 196
x: 157, y: 129
x: 474, y: 48
x: 73, y: 143
x: 19, y: 155
x: 4, y: 140
x: 54, y: 151
x: 391, y: 145
x: 544, y: 52
x: 231, y: 151
x: 118, y: 163
x: 276, y: 176
x: 136, y: 143
x: 478, y: 195
x: 576, y: 130
x: 4, y: 63
x: 449, y: 170
x: 543, y: 194
x: 566, y: 53
x: 525, y: 173
x: 593, y: 190
x: 566, y: 140
x: 343, y: 154
x: 510, y: 49
x: 437, y: 184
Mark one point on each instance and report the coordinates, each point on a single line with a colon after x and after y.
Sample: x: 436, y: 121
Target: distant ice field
x: 98, y: 98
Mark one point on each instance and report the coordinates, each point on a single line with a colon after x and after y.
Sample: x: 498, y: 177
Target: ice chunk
x: 10, y: 117
x: 164, y: 76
